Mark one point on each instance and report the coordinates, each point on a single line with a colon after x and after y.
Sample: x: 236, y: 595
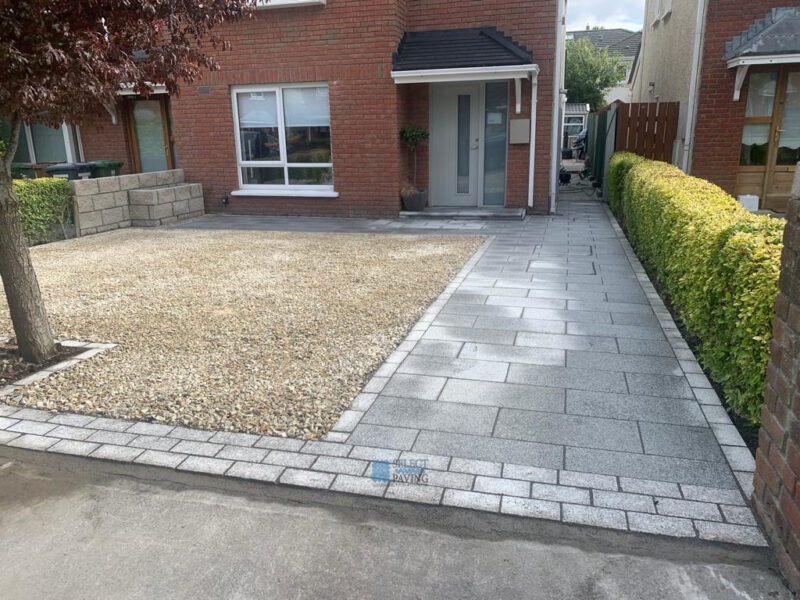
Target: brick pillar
x: 776, y: 498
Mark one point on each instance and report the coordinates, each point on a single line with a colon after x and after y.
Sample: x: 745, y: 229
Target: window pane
x: 761, y: 95
x: 307, y: 119
x: 263, y: 176
x: 258, y: 126
x: 789, y: 143
x: 308, y: 144
x: 578, y: 120
x: 48, y: 144
x: 755, y: 142
x: 310, y: 176
x: 22, y: 155
x: 306, y: 107
x: 462, y: 169
x: 494, y: 156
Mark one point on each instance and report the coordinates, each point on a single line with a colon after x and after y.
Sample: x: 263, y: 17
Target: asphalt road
x: 78, y: 529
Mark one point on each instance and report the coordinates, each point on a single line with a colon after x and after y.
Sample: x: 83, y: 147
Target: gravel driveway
x: 270, y: 333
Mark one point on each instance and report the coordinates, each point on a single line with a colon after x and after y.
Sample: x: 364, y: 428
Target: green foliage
x: 590, y: 73
x: 45, y: 205
x: 413, y: 135
x: 718, y: 264
x: 620, y: 164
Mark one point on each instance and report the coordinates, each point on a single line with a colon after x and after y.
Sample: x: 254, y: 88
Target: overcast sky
x: 625, y: 14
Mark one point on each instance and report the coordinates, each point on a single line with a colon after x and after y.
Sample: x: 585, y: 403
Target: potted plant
x: 413, y: 200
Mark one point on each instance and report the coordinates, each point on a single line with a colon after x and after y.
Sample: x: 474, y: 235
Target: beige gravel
x: 270, y: 333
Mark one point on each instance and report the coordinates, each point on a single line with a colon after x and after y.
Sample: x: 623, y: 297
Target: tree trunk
x: 25, y: 304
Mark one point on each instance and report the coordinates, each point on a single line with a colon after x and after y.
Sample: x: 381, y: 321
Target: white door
x: 455, y: 125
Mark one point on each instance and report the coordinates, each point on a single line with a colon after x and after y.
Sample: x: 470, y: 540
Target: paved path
x: 548, y: 381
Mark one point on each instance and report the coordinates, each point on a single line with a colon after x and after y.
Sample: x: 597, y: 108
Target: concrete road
x: 74, y: 528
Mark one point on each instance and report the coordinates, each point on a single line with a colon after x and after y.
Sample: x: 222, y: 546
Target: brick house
x: 304, y: 116
x: 735, y: 68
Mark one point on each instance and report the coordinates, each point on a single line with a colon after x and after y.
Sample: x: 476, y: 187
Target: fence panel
x: 648, y: 129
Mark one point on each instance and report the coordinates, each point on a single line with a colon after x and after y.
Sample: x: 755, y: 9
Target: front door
x: 149, y: 134
x: 771, y: 137
x: 454, y: 144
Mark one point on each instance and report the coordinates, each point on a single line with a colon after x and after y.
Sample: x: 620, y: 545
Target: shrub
x: 717, y: 263
x: 620, y: 164
x: 45, y: 208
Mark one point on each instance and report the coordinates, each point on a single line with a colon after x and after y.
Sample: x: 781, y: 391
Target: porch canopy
x: 773, y: 40
x: 474, y: 54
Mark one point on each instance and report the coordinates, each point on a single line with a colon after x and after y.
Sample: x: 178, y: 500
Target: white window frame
x: 266, y: 4
x: 26, y: 137
x: 285, y: 189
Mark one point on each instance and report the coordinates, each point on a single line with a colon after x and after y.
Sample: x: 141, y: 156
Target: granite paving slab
x: 547, y: 381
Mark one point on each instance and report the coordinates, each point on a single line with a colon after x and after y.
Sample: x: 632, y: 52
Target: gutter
x: 694, y: 86
x: 558, y: 80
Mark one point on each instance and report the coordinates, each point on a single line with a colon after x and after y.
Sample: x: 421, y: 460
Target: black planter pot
x: 416, y: 203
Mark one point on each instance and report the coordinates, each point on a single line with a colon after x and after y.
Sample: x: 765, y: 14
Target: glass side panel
x: 761, y: 95
x: 755, y: 143
x: 495, y: 144
x: 258, y: 126
x: 462, y: 169
x: 789, y: 140
x: 48, y: 144
x: 149, y: 129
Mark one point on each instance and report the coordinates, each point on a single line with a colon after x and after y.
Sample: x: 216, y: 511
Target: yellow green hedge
x: 45, y: 208
x: 717, y: 263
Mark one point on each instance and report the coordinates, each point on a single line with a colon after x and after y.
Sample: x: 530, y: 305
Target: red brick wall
x: 720, y: 120
x: 777, y: 492
x: 348, y: 44
x: 103, y: 140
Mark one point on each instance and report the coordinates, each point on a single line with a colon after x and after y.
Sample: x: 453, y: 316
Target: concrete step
x: 487, y: 213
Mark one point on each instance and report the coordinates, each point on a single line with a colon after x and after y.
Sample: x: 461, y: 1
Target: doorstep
x: 486, y: 213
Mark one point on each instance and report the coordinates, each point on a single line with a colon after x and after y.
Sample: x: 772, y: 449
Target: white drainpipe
x: 694, y: 86
x: 532, y: 161
x: 558, y: 79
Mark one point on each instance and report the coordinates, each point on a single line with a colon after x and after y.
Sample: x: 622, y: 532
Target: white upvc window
x: 42, y: 144
x: 283, y: 138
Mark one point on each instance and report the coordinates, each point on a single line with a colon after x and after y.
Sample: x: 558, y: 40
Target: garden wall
x: 144, y: 199
x: 776, y: 498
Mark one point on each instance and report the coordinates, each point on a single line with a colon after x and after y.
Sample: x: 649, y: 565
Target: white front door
x: 455, y: 143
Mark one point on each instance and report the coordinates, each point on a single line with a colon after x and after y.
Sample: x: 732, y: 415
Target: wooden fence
x: 647, y: 129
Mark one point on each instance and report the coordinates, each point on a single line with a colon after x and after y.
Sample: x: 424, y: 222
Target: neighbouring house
x: 304, y: 115
x: 619, y: 42
x: 735, y: 69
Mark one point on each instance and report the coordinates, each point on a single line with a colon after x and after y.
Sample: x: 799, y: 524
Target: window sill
x: 287, y: 193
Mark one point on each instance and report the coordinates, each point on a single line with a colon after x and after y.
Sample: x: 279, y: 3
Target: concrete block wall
x: 109, y: 203
x: 776, y: 496
x: 165, y: 205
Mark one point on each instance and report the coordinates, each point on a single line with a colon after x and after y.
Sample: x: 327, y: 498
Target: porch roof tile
x: 458, y: 48
x: 775, y: 34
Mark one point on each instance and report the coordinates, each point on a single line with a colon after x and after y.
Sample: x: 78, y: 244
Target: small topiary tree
x: 412, y: 136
